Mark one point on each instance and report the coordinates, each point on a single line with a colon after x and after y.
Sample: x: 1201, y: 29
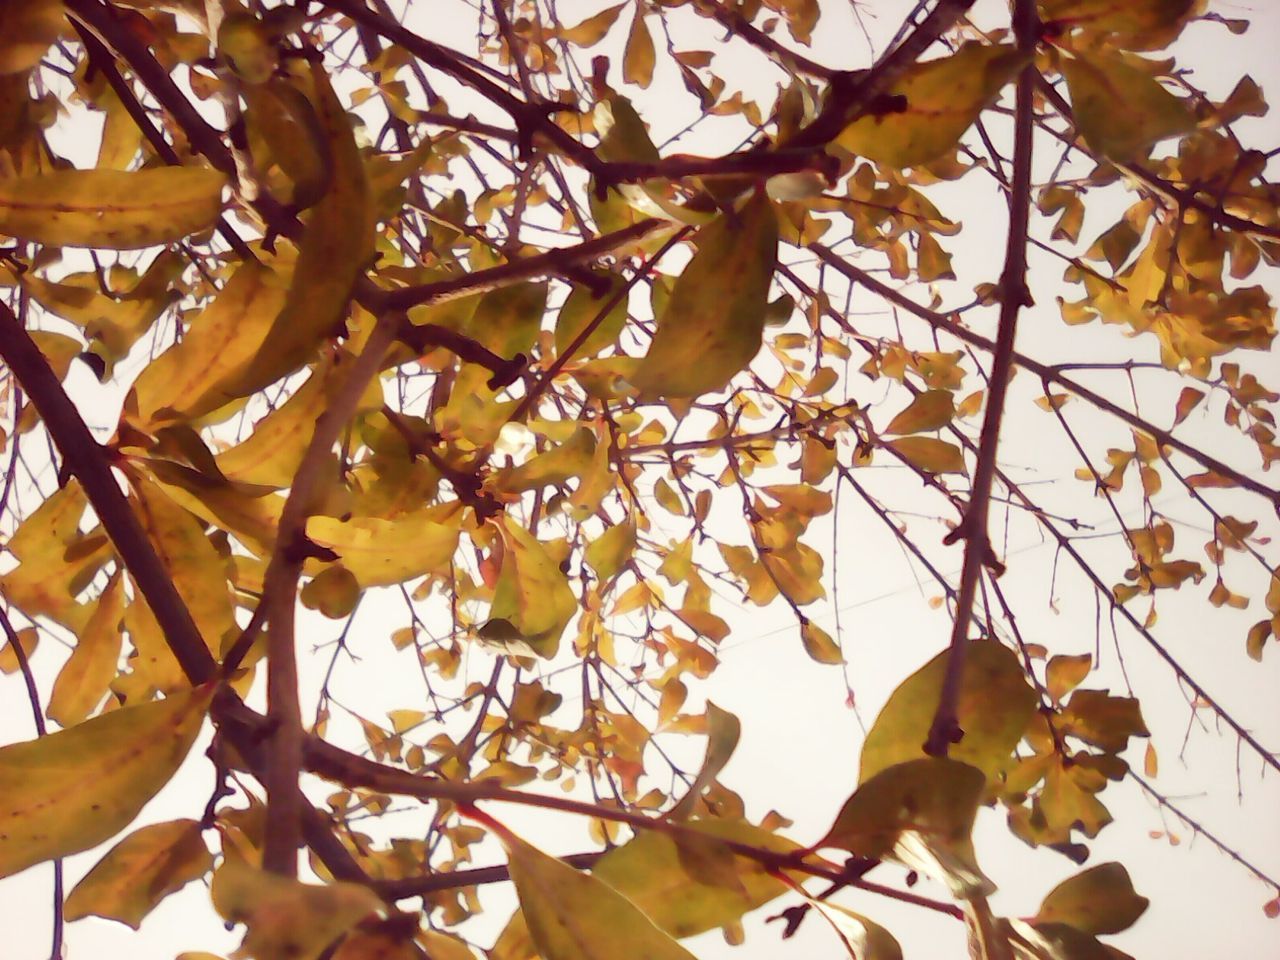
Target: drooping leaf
x: 921, y: 813
x: 84, y: 678
x: 818, y: 643
x: 113, y: 209
x: 532, y: 601
x: 72, y: 790
x: 194, y: 377
x: 1099, y: 900
x: 1120, y: 109
x: 994, y: 706
x: 591, y: 31
x: 581, y: 309
x: 723, y: 730
x: 285, y: 918
x: 192, y: 562
x: 1064, y: 673
x: 335, y: 245
x: 140, y: 871
x: 573, y: 915
x: 639, y: 57
x: 943, y: 99
x: 862, y: 937
x: 713, y: 324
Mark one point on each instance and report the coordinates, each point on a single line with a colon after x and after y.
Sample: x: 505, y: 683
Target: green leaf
x: 1120, y: 109
x: 930, y: 410
x: 1098, y: 900
x: 285, y: 918
x: 74, y: 789
x: 140, y: 871
x: 920, y: 813
x: 85, y: 677
x: 943, y: 99
x: 994, y: 706
x: 337, y: 242
x: 713, y: 324
x: 112, y: 209
x: 573, y: 915
x: 930, y: 454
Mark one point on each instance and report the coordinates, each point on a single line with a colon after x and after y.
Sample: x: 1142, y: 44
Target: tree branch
x: 1047, y: 373
x: 1014, y: 295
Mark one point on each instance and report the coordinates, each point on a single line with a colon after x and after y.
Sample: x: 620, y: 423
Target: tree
x: 399, y: 314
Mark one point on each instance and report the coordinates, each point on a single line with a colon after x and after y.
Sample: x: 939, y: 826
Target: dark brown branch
x: 552, y: 263
x: 87, y: 460
x: 855, y: 95
x: 739, y: 26
x: 1014, y: 295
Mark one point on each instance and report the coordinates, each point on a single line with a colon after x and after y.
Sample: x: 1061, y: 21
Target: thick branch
x: 945, y: 730
x: 285, y: 802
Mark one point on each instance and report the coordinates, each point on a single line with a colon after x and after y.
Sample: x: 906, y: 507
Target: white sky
x: 800, y: 742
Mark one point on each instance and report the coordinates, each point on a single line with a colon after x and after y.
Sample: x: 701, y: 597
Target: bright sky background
x: 800, y: 743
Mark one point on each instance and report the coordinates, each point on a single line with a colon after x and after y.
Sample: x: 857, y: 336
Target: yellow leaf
x: 592, y: 30
x: 532, y: 601
x: 140, y: 871
x: 1133, y: 24
x: 85, y: 677
x: 609, y: 552
x: 48, y: 576
x: 639, y: 58
x: 714, y: 321
x: 1120, y: 109
x: 943, y: 99
x: 28, y: 639
x: 930, y: 410
x: 930, y: 454
x: 994, y: 706
x: 1099, y: 900
x: 272, y: 453
x: 74, y: 789
x: 334, y: 591
x: 27, y: 29
x: 379, y: 552
x: 1064, y: 673
x: 921, y: 813
x: 581, y: 309
x: 192, y: 562
x: 723, y: 731
x: 285, y: 919
x: 113, y: 209
x: 507, y: 320
x: 335, y: 246
x: 573, y: 916
x: 818, y: 643
x: 194, y: 377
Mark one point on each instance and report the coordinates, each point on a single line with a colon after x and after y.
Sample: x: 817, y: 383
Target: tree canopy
x: 536, y: 347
